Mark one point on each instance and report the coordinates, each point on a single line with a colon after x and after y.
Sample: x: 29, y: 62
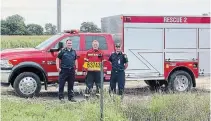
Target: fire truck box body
x: 158, y: 45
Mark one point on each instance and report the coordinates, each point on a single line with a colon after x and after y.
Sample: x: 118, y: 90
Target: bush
x: 171, y: 107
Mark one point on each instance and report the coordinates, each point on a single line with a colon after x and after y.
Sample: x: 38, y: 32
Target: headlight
x: 5, y: 64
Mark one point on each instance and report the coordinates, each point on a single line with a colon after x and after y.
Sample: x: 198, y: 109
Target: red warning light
x: 74, y: 31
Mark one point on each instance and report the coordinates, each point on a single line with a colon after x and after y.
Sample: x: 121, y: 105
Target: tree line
x: 15, y: 25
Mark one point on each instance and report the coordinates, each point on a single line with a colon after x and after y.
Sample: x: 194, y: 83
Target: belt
x: 68, y: 68
x: 117, y: 70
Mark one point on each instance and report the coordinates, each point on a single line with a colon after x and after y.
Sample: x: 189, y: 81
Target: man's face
x: 118, y: 48
x: 69, y: 44
x: 95, y: 44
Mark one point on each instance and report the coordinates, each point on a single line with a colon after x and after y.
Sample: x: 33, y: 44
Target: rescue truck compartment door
x: 204, y: 52
x: 181, y: 44
x: 145, y: 50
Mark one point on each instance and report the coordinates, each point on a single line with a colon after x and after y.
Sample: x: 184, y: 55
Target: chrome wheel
x: 28, y: 85
x: 181, y: 82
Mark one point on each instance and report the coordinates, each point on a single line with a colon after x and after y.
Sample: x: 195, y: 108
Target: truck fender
x: 184, y: 68
x: 29, y: 64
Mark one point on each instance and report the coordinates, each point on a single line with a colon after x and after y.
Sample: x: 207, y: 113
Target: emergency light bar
x: 74, y: 31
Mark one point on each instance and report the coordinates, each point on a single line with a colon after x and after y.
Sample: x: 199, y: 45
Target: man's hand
x: 86, y: 60
x: 126, y: 65
x: 76, y: 70
x: 100, y: 55
x: 59, y: 69
x: 57, y: 64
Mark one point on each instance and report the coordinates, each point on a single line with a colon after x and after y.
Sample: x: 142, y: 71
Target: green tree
x: 15, y: 24
x: 34, y: 29
x: 50, y: 29
x: 89, y: 27
x: 4, y: 28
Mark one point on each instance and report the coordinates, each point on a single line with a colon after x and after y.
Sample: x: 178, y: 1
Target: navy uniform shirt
x: 67, y: 57
x: 118, y: 61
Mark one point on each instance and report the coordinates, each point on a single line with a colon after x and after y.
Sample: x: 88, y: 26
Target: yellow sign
x: 92, y: 66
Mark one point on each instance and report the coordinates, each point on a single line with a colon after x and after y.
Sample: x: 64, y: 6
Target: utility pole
x: 58, y: 16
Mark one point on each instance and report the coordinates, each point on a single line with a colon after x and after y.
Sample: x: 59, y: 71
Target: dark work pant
x: 117, y: 77
x: 69, y: 76
x: 92, y: 77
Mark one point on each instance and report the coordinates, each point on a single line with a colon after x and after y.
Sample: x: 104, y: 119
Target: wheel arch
x: 29, y: 67
x: 186, y: 69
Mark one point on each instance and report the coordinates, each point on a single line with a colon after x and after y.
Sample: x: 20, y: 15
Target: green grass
x: 25, y: 110
x: 169, y: 107
x: 172, y: 107
x: 21, y: 41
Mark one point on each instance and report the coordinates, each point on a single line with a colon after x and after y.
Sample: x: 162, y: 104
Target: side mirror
x: 60, y: 45
x: 54, y: 49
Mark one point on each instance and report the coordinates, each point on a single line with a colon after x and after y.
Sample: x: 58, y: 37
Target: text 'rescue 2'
x: 93, y: 60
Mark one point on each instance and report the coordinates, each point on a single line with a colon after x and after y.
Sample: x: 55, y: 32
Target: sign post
x: 101, y: 92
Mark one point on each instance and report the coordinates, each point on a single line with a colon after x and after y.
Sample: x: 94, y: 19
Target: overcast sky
x: 74, y: 12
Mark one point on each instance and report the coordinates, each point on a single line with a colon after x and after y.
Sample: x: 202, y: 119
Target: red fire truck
x: 171, y: 50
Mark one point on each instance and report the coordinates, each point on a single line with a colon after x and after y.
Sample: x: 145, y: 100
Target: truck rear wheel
x: 27, y: 84
x: 180, y: 81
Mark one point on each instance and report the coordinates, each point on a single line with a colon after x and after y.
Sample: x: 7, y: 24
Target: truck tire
x: 27, y: 84
x: 180, y: 81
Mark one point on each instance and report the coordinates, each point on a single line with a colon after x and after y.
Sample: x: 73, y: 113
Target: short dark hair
x: 68, y: 40
x: 118, y: 45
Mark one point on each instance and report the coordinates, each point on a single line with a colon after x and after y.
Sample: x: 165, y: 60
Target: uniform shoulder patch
x: 125, y: 55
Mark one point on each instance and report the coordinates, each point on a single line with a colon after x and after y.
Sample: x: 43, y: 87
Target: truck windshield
x: 45, y: 43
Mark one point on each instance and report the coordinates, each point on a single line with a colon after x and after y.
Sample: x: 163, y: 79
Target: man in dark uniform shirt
x: 119, y: 63
x: 69, y: 65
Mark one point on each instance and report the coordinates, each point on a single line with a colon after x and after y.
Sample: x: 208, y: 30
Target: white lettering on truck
x: 175, y: 20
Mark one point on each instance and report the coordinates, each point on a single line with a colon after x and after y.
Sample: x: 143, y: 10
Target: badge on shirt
x: 119, y: 61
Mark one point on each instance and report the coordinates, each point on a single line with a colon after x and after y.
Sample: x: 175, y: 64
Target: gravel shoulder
x: 134, y: 90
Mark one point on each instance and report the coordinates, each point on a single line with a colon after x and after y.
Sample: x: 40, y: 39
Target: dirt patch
x: 203, y: 83
x: 135, y: 90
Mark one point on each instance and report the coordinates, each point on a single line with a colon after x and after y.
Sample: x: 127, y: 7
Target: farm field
x: 139, y: 104
x: 21, y: 41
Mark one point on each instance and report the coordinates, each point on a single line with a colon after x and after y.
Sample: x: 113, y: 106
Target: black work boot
x: 121, y: 93
x: 61, y: 98
x: 112, y: 91
x: 98, y: 92
x: 87, y: 93
x: 72, y: 99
